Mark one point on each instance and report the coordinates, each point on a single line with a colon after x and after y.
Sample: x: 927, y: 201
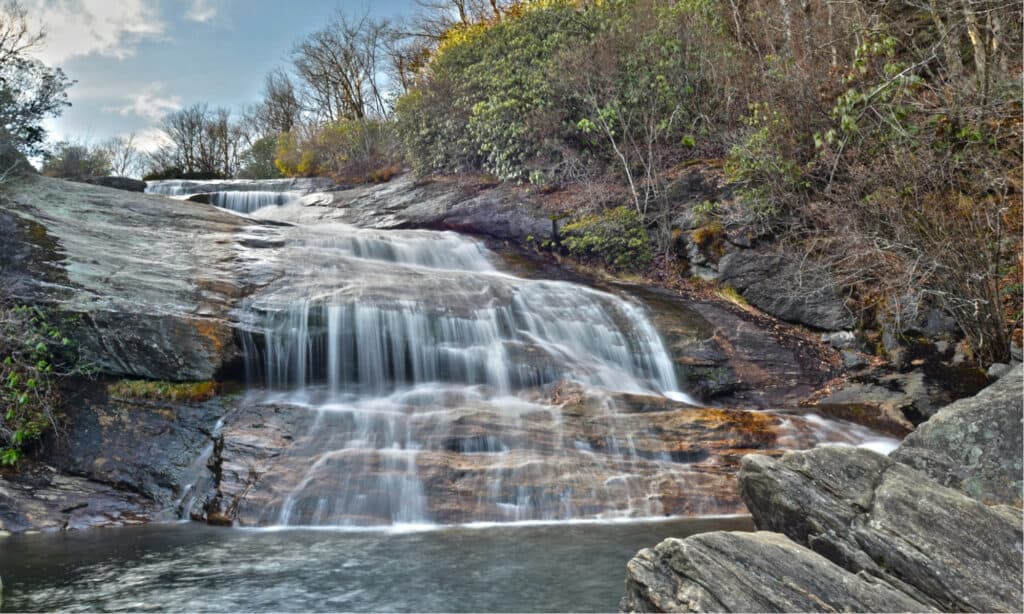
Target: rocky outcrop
x: 872, y: 515
x: 870, y: 518
x: 775, y: 284
x: 118, y: 183
x: 495, y: 210
x: 975, y: 444
x: 750, y: 572
x: 148, y: 281
x: 115, y: 461
x: 40, y: 498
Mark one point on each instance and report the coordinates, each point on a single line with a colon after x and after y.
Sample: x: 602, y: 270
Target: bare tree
x: 124, y: 155
x: 280, y: 110
x: 340, y: 67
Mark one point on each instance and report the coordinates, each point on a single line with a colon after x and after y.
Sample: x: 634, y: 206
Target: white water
x: 433, y: 388
x: 417, y: 356
x: 246, y: 197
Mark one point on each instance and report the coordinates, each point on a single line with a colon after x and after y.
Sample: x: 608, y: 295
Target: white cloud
x: 151, y: 139
x: 83, y: 27
x: 201, y: 11
x: 150, y: 103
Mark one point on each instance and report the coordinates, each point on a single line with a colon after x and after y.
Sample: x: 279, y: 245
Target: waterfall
x: 415, y: 357
x: 237, y: 195
x: 251, y: 200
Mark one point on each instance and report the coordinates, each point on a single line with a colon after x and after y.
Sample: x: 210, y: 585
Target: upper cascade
x: 368, y: 311
x: 240, y: 195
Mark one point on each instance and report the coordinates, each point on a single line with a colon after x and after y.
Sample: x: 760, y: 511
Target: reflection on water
x: 570, y: 567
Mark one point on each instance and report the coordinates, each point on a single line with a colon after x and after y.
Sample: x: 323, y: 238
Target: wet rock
x: 118, y: 183
x: 750, y: 572
x: 39, y: 498
x: 876, y: 517
x: 884, y: 403
x: 773, y: 282
x: 731, y: 357
x: 975, y: 444
x: 149, y: 280
x: 147, y: 447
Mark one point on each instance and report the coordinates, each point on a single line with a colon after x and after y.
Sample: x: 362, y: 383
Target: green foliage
x: 616, y: 237
x: 351, y: 150
x: 488, y: 102
x: 34, y: 356
x: 30, y: 91
x: 163, y: 391
x: 763, y: 166
x: 258, y: 161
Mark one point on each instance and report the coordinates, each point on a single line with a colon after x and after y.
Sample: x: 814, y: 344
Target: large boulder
x: 775, y: 283
x: 874, y: 516
x: 975, y: 444
x: 750, y: 572
x: 147, y: 282
x: 928, y: 523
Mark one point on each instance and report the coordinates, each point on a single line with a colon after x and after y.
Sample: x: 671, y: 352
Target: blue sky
x: 135, y: 60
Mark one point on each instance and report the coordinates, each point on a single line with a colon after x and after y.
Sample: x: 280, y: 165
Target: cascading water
x: 397, y: 377
x: 418, y: 359
x: 243, y: 197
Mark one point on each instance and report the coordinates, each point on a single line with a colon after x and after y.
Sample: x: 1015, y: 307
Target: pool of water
x: 565, y: 567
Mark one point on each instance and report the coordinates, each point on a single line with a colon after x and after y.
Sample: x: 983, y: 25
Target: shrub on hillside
x: 615, y: 238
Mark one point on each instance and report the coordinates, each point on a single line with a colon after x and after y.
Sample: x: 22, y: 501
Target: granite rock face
x: 975, y: 444
x: 772, y: 282
x: 926, y: 527
x: 41, y: 498
x: 750, y: 572
x: 500, y: 211
x: 149, y: 280
x: 872, y: 515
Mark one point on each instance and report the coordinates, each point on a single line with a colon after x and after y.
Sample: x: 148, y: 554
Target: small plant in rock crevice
x: 35, y: 356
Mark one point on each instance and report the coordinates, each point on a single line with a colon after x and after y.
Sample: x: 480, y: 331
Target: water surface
x: 570, y: 567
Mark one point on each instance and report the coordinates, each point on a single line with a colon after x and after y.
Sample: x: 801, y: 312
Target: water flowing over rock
x: 395, y: 376
x: 239, y: 195
x: 405, y: 380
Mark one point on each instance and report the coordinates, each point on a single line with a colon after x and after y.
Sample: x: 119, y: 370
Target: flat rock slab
x: 750, y: 572
x: 41, y: 499
x: 150, y: 279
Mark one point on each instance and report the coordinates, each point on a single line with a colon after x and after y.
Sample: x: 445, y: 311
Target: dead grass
x: 163, y: 391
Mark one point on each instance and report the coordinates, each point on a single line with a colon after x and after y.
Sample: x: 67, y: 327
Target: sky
x: 135, y: 60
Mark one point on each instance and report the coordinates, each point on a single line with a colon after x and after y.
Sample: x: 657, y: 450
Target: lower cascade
x: 423, y: 385
x: 415, y: 358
